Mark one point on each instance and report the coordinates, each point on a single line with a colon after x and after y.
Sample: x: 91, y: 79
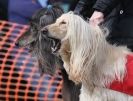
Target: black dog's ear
x: 24, y: 39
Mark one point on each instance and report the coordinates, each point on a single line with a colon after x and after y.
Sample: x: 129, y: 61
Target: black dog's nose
x: 44, y: 31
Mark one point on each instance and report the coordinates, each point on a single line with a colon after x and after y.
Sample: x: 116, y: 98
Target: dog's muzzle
x: 56, y: 43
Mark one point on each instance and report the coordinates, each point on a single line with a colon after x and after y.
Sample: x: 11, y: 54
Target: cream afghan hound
x: 89, y: 59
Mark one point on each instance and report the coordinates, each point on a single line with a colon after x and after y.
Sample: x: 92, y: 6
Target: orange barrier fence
x: 19, y: 76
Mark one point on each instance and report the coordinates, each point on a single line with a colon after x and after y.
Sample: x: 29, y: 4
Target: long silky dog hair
x: 40, y: 46
x: 90, y: 60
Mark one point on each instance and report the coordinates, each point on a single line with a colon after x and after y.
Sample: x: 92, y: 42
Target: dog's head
x: 41, y: 18
x: 83, y: 40
x: 58, y: 30
x: 37, y: 42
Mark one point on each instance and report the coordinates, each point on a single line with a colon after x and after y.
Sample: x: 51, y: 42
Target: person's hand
x: 96, y: 18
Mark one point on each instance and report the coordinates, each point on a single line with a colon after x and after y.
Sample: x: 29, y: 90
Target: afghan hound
x: 104, y: 70
x: 40, y: 46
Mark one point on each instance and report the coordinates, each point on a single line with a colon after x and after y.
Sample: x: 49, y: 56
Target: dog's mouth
x: 56, y: 44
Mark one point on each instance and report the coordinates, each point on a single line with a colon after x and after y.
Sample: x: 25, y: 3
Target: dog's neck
x: 108, y: 65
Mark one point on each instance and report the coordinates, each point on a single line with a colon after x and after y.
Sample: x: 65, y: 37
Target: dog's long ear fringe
x: 84, y: 40
x: 45, y: 69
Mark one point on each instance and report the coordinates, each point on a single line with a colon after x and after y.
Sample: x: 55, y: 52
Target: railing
x: 19, y: 76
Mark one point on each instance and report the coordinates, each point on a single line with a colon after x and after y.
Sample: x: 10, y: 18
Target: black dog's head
x: 38, y: 43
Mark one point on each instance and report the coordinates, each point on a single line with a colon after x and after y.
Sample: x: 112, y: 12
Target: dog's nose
x: 44, y: 30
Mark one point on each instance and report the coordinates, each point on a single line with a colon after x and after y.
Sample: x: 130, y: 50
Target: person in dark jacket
x: 85, y: 8
x: 122, y: 33
x: 82, y: 7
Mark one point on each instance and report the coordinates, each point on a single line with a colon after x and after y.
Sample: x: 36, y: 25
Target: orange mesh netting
x: 19, y: 76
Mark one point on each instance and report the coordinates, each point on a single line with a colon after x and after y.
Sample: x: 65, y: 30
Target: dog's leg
x: 70, y: 91
x: 85, y: 95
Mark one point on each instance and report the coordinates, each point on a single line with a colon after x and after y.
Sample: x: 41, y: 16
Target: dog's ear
x: 25, y: 39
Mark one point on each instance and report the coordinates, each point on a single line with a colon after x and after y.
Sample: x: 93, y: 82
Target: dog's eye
x: 63, y: 22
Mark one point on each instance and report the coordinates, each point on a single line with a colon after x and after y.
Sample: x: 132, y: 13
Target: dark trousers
x: 3, y: 9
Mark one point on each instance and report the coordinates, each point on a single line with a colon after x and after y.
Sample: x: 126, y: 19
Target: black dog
x: 40, y: 46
